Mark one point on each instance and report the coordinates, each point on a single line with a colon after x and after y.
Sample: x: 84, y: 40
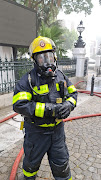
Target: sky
x: 92, y: 22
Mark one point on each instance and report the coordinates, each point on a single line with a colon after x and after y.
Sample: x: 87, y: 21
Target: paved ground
x: 83, y: 137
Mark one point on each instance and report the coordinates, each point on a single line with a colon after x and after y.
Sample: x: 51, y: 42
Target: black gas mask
x: 46, y: 64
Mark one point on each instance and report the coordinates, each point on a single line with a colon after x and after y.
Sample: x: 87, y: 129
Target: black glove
x: 65, y: 110
x: 52, y: 110
x: 49, y: 108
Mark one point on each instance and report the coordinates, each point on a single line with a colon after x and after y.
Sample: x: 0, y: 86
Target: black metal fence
x: 68, y: 66
x: 11, y: 71
x: 86, y: 66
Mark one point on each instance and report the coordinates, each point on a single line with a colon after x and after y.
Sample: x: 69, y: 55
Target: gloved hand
x: 65, y: 110
x: 52, y: 110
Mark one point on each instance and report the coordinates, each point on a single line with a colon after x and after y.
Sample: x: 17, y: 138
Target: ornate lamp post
x: 80, y: 43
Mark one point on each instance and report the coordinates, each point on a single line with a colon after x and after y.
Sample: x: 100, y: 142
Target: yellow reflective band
x: 39, y: 110
x: 28, y: 174
x: 57, y: 87
x: 71, y: 89
x: 43, y: 89
x: 49, y: 125
x: 70, y: 178
x: 72, y: 100
x: 22, y: 96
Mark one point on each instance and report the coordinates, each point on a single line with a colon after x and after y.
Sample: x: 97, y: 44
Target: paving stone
x: 83, y: 167
x: 91, y: 159
x: 88, y: 163
x: 73, y: 173
x: 87, y: 174
x: 72, y: 158
x: 1, y: 164
x: 77, y: 163
x: 97, y: 165
x: 80, y: 176
x: 77, y: 155
x: 4, y: 169
x: 96, y: 176
x: 45, y: 175
x: 99, y: 156
x: 77, y: 170
x: 92, y: 169
x: 40, y: 173
x: 99, y: 171
x: 4, y: 176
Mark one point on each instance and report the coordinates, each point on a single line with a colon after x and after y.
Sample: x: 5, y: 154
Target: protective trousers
x: 36, y: 144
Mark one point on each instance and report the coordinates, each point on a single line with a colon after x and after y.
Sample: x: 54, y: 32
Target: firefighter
x: 45, y: 96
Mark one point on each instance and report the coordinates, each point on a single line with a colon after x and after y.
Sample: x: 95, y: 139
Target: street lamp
x: 80, y: 43
x: 80, y: 27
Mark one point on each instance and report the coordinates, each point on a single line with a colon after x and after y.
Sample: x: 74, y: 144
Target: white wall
x: 6, y: 52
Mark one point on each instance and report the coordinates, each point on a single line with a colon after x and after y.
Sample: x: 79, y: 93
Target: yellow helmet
x: 41, y: 44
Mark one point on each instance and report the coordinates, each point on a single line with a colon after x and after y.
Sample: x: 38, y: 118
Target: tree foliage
x: 77, y: 6
x: 55, y: 32
x: 48, y: 10
x: 62, y: 37
x: 70, y: 38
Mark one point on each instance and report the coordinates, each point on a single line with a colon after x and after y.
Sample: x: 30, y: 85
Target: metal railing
x: 11, y: 71
x: 68, y: 66
x: 86, y: 67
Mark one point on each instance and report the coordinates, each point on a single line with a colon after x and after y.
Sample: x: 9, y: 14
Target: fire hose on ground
x: 19, y: 156
x: 8, y: 117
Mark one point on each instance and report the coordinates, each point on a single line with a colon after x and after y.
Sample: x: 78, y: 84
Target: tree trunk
x: 29, y: 3
x: 59, y: 2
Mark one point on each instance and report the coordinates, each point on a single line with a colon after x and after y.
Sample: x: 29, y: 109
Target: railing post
x: 92, y: 85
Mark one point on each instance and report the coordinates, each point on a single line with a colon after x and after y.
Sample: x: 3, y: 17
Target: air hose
x: 8, y: 117
x: 16, y: 164
x: 79, y: 82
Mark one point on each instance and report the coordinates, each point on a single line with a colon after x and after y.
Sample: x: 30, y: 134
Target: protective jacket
x: 32, y: 106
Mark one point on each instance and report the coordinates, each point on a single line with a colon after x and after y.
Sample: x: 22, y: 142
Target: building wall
x: 6, y: 52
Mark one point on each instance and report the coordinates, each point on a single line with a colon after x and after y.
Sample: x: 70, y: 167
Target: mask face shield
x: 46, y: 58
x: 46, y: 64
